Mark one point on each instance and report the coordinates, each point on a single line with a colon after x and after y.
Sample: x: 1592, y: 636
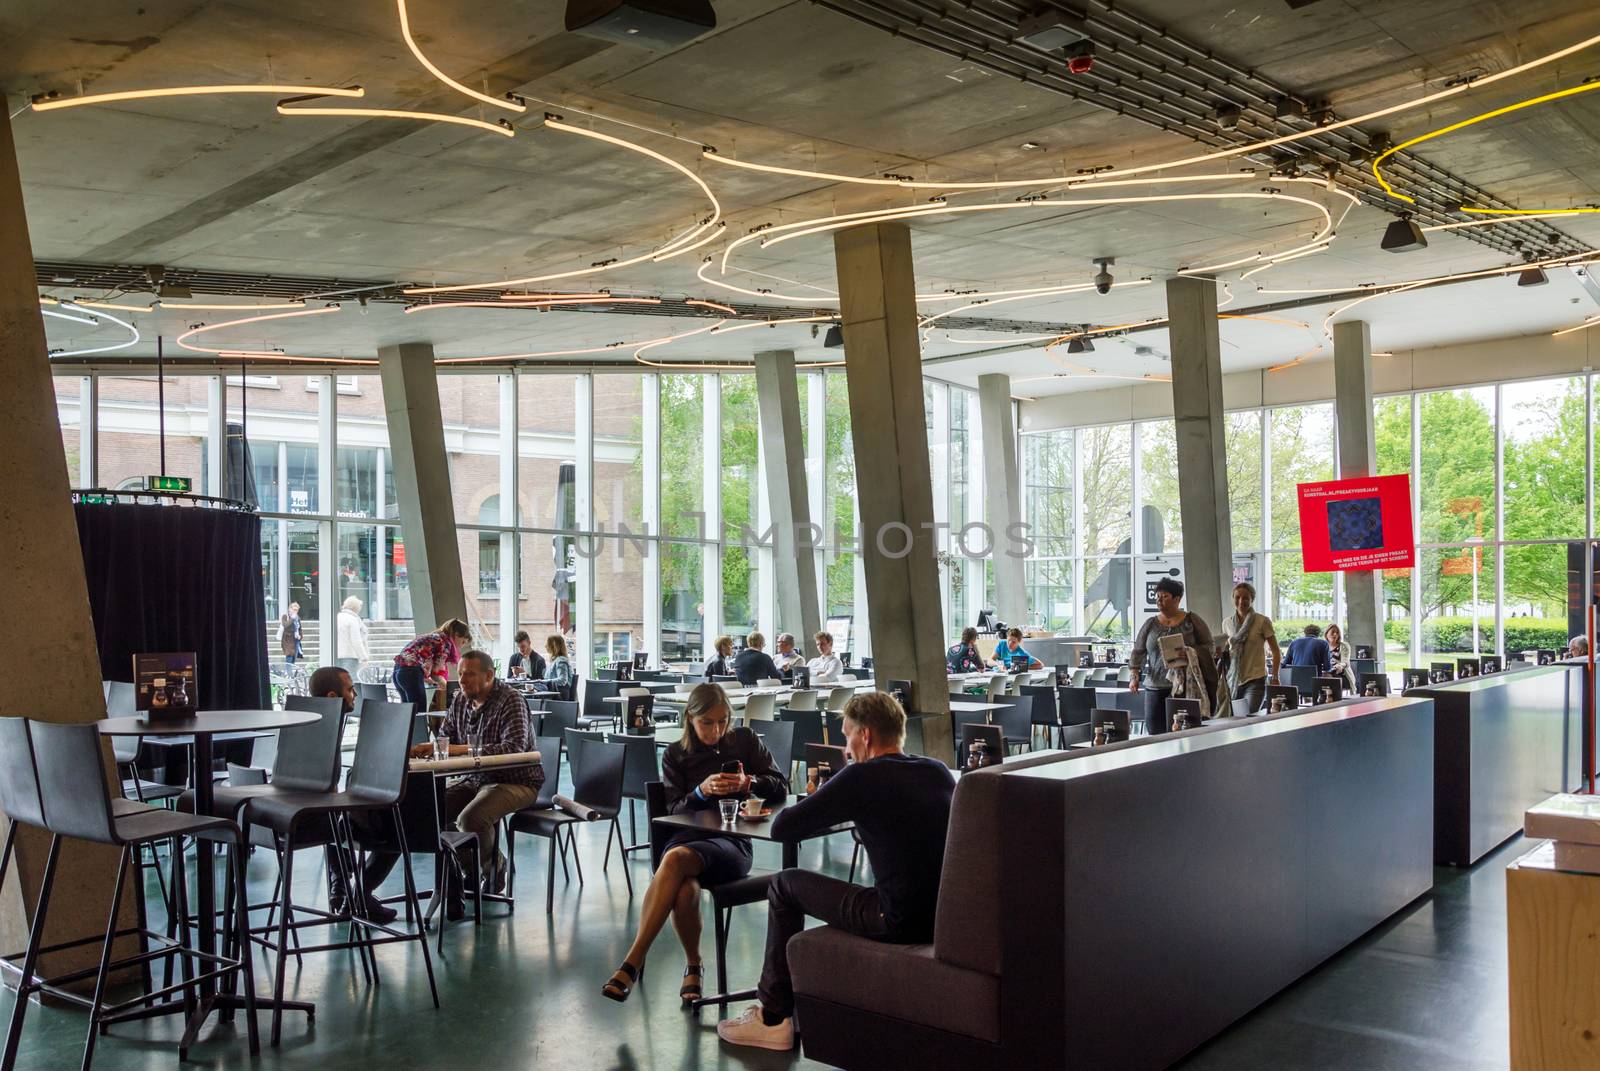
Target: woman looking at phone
x: 712, y: 762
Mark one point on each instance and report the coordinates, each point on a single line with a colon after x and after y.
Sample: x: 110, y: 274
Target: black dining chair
x: 549, y: 749
x: 597, y: 769
x: 299, y: 819
x: 561, y: 716
x: 750, y: 889
x: 378, y: 693
x: 596, y: 711
x: 639, y: 768
x: 1015, y: 718
x: 778, y: 736
x: 1042, y: 713
x: 808, y: 729
x: 80, y: 808
x: 307, y: 759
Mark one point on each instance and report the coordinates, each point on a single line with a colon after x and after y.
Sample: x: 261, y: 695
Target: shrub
x: 1454, y: 634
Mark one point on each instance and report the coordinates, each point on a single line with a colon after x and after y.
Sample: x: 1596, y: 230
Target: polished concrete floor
x: 1425, y: 991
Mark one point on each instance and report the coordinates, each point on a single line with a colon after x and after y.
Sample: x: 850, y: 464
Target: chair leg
x: 30, y: 960
x: 285, y: 879
x: 605, y: 858
x: 239, y: 852
x: 724, y: 923
x: 572, y: 843
x: 105, y: 960
x: 622, y: 854
x: 855, y: 858
x: 550, y: 873
x: 411, y: 898
x: 339, y: 858
x: 180, y: 893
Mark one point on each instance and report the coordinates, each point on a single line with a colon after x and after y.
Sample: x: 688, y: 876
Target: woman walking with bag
x: 1156, y: 671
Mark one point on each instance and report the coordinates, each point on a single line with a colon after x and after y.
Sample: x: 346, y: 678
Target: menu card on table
x: 164, y: 684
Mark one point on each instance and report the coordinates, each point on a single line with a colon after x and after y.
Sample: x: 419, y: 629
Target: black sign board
x: 1416, y: 678
x: 164, y: 684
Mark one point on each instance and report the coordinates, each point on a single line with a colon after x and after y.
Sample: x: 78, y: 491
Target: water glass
x: 729, y: 809
x: 475, y: 744
x: 441, y: 746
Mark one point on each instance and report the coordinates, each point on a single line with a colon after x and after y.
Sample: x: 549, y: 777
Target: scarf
x: 1188, y: 682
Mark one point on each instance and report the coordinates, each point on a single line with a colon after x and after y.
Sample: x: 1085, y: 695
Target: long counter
x: 1502, y: 743
x: 1157, y: 890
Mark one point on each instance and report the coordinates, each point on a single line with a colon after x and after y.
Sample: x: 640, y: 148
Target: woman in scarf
x: 1157, y: 674
x: 1340, y: 650
x: 1246, y: 637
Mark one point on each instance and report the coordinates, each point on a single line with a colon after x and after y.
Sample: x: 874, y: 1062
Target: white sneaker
x: 749, y: 1029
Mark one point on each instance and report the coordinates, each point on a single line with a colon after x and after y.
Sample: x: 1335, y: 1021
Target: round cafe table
x: 203, y: 726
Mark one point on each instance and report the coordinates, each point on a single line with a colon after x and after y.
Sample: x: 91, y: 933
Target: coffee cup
x: 752, y: 807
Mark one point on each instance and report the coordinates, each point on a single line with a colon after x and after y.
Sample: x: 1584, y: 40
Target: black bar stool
x: 80, y: 807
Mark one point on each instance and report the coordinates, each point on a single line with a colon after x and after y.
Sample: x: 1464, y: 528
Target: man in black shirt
x: 525, y: 661
x: 754, y: 664
x: 900, y: 805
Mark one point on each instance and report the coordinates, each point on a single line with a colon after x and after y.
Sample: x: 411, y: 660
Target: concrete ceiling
x: 226, y: 183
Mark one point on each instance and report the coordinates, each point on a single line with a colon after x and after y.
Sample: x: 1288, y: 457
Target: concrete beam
x: 422, y: 482
x: 883, y: 365
x: 1358, y: 456
x: 1202, y: 468
x: 1002, y: 495
x: 49, y: 597
x: 783, y: 443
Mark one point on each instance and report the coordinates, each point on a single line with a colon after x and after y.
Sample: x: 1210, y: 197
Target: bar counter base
x: 853, y: 1039
x: 1552, y: 923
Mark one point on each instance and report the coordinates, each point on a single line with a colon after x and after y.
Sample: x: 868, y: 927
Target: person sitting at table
x: 692, y: 777
x: 1340, y: 657
x: 493, y: 711
x: 964, y: 656
x: 558, y: 675
x: 1009, y: 648
x: 1578, y: 647
x: 753, y: 663
x: 1310, y: 650
x: 827, y: 666
x: 900, y: 805
x: 428, y: 657
x: 787, y: 657
x: 721, y: 662
x: 525, y: 661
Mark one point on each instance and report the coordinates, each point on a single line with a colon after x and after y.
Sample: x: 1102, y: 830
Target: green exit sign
x: 180, y: 484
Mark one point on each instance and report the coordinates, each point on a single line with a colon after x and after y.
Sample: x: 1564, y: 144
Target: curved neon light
x: 132, y: 331
x: 1430, y: 135
x: 182, y: 339
x: 695, y: 237
x: 261, y: 306
x: 602, y: 299
x: 1525, y: 213
x: 498, y: 102
x: 607, y: 348
x: 44, y: 103
x: 499, y: 126
x: 1590, y: 322
x: 1492, y: 222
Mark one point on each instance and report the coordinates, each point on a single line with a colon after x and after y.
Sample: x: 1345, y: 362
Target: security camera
x: 1102, y: 278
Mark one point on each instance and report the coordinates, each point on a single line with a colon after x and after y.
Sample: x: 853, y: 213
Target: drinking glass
x: 729, y: 809
x: 441, y: 746
x: 475, y: 744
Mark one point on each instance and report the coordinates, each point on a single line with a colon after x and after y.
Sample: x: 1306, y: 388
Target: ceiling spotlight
x: 1531, y: 276
x: 1051, y: 29
x: 659, y: 24
x: 834, y: 339
x: 1082, y: 344
x: 1080, y: 57
x: 1403, y: 235
x: 1227, y: 116
x: 1102, y: 278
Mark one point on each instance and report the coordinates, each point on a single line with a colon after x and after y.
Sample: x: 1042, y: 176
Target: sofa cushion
x: 966, y: 930
x: 906, y: 982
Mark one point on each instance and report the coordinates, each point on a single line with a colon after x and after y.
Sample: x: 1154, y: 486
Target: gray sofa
x: 932, y: 1005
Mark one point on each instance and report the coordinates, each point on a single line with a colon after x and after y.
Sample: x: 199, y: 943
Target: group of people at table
x: 1176, y: 654
x: 899, y: 805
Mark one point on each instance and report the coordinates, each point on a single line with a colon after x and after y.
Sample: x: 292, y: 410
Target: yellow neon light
x: 1492, y: 222
x: 1507, y: 110
x: 598, y: 299
x: 1525, y: 213
x: 113, y: 307
x: 261, y: 306
x: 715, y: 306
x: 499, y: 126
x: 498, y: 102
x: 1590, y: 322
x: 44, y: 103
x: 182, y: 339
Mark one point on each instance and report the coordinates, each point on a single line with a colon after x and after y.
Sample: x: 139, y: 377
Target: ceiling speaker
x: 655, y: 24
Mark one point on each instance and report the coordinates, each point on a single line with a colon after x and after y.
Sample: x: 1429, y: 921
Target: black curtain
x: 179, y: 578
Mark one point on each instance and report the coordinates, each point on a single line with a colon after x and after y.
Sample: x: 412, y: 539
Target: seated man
x: 826, y: 668
x: 900, y: 805
x: 753, y: 663
x: 787, y: 657
x: 1310, y: 650
x: 1009, y: 648
x: 479, y: 800
x: 525, y: 661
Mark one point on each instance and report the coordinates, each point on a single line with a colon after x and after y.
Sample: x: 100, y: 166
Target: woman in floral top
x: 427, y: 658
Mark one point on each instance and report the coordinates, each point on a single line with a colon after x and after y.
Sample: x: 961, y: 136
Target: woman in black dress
x: 692, y: 776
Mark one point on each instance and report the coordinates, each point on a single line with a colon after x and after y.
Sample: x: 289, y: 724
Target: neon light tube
x: 182, y: 339
x: 132, y: 331
x: 498, y: 102
x: 499, y: 126
x: 44, y: 103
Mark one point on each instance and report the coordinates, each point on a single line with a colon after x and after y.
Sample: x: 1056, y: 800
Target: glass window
x: 619, y: 566
x: 1106, y: 480
x: 68, y: 412
x: 740, y: 507
x: 841, y: 522
x: 1457, y: 601
x: 130, y: 440
x: 1301, y: 441
x: 682, y: 456
x: 546, y: 455
x: 1535, y: 613
x: 489, y: 548
x: 1242, y: 432
x: 1158, y: 488
x: 1047, y: 462
x: 363, y: 472
x: 618, y: 453
x: 1544, y: 460
x: 1050, y: 592
x: 1108, y: 597
x: 1457, y: 467
x: 1299, y: 598
x: 682, y: 603
x: 470, y: 408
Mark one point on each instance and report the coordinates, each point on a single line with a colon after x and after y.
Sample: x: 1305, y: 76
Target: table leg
x: 205, y: 876
x: 791, y: 854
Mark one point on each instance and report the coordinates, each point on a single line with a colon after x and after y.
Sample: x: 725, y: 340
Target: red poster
x: 1364, y: 523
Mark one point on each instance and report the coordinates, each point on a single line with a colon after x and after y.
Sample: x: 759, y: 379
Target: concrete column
x: 422, y: 482
x: 1002, y: 496
x: 783, y: 444
x: 883, y: 362
x: 650, y: 458
x: 1202, y: 469
x: 48, y: 594
x: 1358, y: 456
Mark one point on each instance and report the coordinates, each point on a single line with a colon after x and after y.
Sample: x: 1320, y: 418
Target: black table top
x: 206, y: 723
x: 710, y: 821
